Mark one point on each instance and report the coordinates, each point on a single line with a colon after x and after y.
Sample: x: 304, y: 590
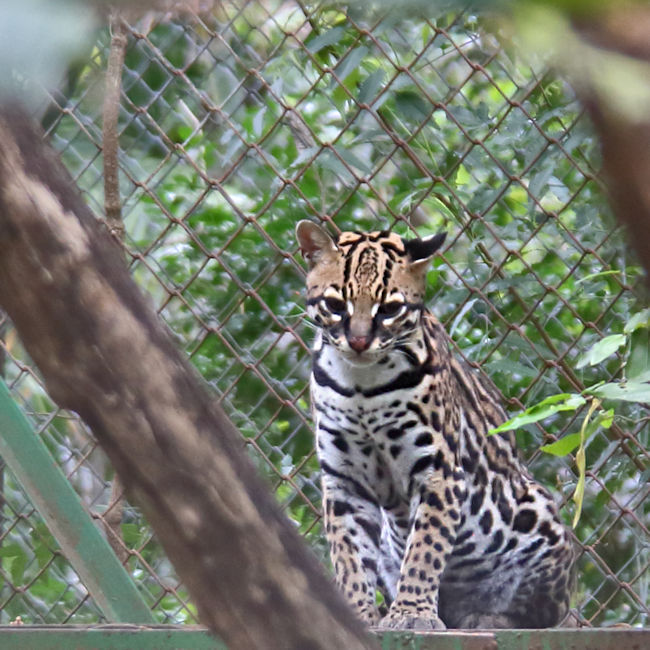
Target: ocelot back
x: 418, y: 501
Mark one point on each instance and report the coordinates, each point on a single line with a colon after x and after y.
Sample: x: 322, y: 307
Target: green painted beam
x: 55, y: 499
x: 452, y: 640
x: 607, y: 638
x: 56, y: 637
x: 554, y: 639
x: 171, y: 637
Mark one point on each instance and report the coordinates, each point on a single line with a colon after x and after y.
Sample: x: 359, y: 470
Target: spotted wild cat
x: 418, y: 501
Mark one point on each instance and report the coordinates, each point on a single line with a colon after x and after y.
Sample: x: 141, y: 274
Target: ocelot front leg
x: 353, y: 529
x: 435, y: 506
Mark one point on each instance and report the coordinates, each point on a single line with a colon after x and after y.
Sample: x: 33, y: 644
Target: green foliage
x: 548, y: 406
x: 635, y: 390
x: 601, y: 350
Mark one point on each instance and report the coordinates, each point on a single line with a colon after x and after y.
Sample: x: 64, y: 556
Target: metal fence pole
x: 51, y: 493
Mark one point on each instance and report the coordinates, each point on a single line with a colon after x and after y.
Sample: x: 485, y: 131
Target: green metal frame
x: 60, y: 506
x: 553, y: 639
x: 56, y: 637
x: 170, y: 637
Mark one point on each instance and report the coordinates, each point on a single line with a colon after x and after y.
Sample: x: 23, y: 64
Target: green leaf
x: 412, y: 105
x: 11, y: 550
x: 637, y: 365
x: 18, y: 564
x: 547, y: 407
x: 511, y: 367
x: 330, y: 162
x: 370, y: 86
x: 640, y: 319
x: 593, y: 276
x: 643, y: 377
x: 601, y: 350
x: 605, y: 419
x: 43, y: 554
x: 566, y: 445
x: 539, y: 181
x: 465, y: 117
x: 350, y: 63
x: 131, y: 534
x: 462, y: 175
x: 563, y: 446
x: 303, y: 156
x: 352, y: 160
x: 330, y: 37
x: 629, y: 391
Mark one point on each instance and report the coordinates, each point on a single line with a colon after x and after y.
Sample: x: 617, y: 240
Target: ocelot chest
x: 377, y: 419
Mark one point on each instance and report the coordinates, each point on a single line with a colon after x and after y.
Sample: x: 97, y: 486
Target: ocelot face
x: 365, y: 290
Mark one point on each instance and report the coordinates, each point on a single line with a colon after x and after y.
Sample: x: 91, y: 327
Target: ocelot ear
x: 314, y: 242
x: 420, y: 251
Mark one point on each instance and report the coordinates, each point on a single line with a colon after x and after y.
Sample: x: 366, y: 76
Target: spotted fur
x: 419, y: 502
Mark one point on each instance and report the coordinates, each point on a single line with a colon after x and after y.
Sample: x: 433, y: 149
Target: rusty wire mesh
x: 236, y: 122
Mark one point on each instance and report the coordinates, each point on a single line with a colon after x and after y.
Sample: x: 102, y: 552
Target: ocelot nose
x: 359, y: 343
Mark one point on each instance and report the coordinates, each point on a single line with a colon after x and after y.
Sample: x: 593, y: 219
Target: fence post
x: 52, y: 495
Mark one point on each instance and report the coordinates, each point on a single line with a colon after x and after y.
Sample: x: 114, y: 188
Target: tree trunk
x: 104, y: 354
x: 626, y: 168
x: 625, y: 138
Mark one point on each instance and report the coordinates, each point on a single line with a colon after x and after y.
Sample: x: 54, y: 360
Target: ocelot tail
x: 419, y: 502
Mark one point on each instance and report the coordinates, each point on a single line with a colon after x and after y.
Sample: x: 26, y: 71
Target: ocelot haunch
x: 419, y: 502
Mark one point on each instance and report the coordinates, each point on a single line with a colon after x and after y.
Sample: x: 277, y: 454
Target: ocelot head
x: 365, y: 290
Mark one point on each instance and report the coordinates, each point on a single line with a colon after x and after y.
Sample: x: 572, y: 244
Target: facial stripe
x: 370, y: 277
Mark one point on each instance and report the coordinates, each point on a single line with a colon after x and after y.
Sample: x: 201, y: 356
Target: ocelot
x: 419, y: 502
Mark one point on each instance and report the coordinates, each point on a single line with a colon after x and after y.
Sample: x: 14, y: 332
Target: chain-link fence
x: 236, y: 122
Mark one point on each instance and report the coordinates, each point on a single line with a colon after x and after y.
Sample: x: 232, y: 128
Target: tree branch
x: 110, y: 135
x: 112, y: 518
x: 624, y: 135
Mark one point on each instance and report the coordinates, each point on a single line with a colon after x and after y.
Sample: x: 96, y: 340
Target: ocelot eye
x: 390, y: 309
x: 335, y: 305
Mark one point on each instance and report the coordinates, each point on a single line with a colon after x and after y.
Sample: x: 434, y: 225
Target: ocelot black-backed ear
x: 314, y: 241
x: 420, y: 250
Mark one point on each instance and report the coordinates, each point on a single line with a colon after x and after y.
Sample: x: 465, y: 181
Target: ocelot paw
x: 403, y: 621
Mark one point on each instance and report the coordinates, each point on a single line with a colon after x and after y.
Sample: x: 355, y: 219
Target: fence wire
x: 240, y: 118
